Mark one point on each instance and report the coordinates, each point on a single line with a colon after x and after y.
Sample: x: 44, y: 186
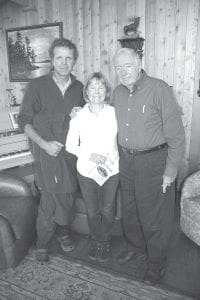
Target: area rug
x: 61, y: 279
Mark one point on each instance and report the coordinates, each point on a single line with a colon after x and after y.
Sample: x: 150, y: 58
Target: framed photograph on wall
x: 27, y: 49
x: 13, y: 117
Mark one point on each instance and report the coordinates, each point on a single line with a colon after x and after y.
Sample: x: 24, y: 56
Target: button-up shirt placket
x: 128, y: 118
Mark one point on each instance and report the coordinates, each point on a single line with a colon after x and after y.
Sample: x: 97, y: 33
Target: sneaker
x: 153, y: 276
x: 66, y: 243
x: 127, y: 256
x: 92, y: 253
x: 42, y: 255
x: 103, y: 252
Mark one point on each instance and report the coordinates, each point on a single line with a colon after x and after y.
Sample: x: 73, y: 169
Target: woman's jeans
x: 100, y: 203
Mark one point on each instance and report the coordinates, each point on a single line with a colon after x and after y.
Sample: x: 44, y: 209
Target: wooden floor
x: 183, y: 266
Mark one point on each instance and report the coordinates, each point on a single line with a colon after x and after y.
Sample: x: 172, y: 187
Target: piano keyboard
x: 14, y: 151
x: 15, y: 159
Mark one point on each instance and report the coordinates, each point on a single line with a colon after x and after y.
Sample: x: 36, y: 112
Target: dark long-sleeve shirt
x: 150, y: 116
x: 44, y: 98
x: 48, y: 111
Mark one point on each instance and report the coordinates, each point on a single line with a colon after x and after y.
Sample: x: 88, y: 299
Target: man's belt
x: 139, y: 152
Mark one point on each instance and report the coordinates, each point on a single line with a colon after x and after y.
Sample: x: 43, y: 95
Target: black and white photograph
x: 99, y: 149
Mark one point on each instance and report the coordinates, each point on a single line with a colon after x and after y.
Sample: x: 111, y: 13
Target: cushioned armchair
x: 17, y: 220
x: 190, y: 207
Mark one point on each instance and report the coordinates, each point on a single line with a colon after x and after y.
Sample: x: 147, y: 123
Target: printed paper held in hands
x: 101, y: 172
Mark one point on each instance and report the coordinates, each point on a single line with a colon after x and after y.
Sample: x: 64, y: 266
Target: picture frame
x: 14, y: 116
x: 27, y: 50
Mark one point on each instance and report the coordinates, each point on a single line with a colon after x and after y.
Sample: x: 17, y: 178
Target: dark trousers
x: 147, y: 213
x: 55, y: 213
x: 100, y: 203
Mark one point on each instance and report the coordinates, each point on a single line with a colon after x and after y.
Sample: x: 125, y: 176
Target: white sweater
x: 90, y: 133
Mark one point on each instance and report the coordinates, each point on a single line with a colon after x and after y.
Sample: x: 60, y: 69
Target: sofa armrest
x: 191, y: 186
x: 12, y: 186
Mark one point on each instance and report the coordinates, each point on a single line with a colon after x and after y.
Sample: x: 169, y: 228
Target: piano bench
x: 17, y: 220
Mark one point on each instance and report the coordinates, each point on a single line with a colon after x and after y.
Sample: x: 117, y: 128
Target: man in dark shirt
x: 44, y: 117
x: 151, y: 145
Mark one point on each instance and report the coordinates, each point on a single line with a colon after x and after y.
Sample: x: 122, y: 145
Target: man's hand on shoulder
x: 74, y: 111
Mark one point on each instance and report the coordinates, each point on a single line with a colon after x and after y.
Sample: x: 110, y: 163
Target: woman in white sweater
x: 92, y: 137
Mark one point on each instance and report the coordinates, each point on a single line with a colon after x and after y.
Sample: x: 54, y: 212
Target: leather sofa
x: 17, y: 220
x: 18, y: 211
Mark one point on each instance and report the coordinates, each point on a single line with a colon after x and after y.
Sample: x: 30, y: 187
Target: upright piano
x: 14, y: 147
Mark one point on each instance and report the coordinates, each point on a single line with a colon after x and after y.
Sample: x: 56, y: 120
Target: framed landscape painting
x: 27, y: 49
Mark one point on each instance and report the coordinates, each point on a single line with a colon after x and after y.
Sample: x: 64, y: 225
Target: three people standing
x: 151, y: 145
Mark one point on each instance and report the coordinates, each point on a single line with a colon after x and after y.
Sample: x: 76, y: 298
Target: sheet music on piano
x: 14, y: 147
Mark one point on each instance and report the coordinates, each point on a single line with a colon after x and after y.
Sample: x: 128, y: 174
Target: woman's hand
x: 97, y: 158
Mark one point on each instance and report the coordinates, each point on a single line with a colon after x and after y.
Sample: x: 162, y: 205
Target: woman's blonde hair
x: 99, y: 76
